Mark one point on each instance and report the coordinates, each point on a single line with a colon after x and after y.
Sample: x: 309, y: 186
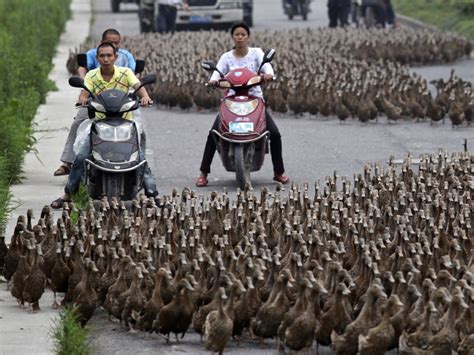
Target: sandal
x: 202, y: 181
x: 283, y: 179
x: 58, y: 203
x: 62, y: 170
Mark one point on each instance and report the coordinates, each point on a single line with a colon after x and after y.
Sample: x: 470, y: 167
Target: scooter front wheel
x: 112, y: 186
x: 242, y: 173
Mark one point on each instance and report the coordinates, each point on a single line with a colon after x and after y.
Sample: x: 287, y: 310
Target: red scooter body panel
x: 242, y: 123
x: 249, y: 125
x: 256, y: 118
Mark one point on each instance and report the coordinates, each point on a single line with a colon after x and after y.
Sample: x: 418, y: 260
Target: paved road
x: 314, y: 147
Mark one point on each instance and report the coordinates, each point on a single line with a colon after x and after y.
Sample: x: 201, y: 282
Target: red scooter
x: 242, y: 137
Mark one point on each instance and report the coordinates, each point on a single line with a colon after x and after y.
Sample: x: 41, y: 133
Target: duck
x: 447, y: 338
x: 466, y: 346
x: 270, y: 315
x: 168, y: 319
x: 107, y: 278
x: 119, y: 286
x: 154, y: 304
x: 59, y: 275
x: 218, y: 326
x: 236, y: 289
x: 18, y: 278
x: 35, y: 281
x: 247, y: 306
x: 300, y: 333
x: 199, y: 317
x: 133, y: 300
x: 3, y: 253
x: 12, y: 258
x: 336, y: 318
x: 410, y: 343
x: 86, y: 299
x: 382, y: 338
x: 367, y: 319
x: 297, y: 309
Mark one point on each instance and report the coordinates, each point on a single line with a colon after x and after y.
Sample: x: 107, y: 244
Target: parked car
x: 217, y: 14
x: 116, y: 4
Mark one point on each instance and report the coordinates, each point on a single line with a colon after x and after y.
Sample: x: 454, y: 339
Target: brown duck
x: 218, y: 326
x: 35, y: 281
x: 169, y: 318
x: 86, y: 297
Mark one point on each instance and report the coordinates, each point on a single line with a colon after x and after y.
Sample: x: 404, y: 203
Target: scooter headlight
x: 224, y: 84
x: 254, y: 80
x: 241, y: 108
x: 105, y: 132
x: 123, y: 132
x: 114, y: 134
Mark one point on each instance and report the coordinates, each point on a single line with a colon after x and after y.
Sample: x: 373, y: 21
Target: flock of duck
x: 341, y: 73
x: 382, y: 262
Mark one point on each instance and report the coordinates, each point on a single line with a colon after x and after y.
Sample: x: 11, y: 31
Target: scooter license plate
x: 241, y: 127
x: 200, y: 19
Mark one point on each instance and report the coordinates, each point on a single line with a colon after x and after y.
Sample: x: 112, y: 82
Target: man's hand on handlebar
x: 146, y: 101
x: 82, y: 101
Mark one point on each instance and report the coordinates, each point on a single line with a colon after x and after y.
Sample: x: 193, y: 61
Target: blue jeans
x: 77, y: 173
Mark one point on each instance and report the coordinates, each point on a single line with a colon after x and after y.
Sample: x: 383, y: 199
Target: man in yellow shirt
x: 106, y: 77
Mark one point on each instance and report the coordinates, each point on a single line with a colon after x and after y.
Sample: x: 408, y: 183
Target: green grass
x: 68, y: 336
x: 448, y: 15
x: 26, y: 51
x: 80, y: 201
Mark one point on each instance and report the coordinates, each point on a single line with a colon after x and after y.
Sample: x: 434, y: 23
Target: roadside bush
x: 4, y: 192
x: 26, y: 50
x: 448, y: 15
x: 68, y: 336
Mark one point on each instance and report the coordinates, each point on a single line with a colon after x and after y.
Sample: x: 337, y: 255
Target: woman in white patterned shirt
x: 243, y: 56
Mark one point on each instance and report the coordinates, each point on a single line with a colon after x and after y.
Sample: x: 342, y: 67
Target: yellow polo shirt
x: 123, y: 79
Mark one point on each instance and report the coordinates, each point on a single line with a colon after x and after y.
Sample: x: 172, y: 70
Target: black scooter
x: 294, y: 8
x: 114, y: 167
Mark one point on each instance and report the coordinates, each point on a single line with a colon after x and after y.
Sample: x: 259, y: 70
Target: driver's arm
x: 145, y: 100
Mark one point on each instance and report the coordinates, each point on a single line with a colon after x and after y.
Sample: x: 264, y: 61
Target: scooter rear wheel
x: 242, y: 173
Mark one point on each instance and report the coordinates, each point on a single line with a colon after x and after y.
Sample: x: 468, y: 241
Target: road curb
x: 414, y: 23
x: 20, y: 331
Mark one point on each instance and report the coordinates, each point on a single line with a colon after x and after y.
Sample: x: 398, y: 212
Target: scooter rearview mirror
x: 82, y: 59
x: 139, y: 66
x: 208, y: 65
x: 268, y: 55
x: 149, y: 79
x: 267, y: 58
x: 77, y: 82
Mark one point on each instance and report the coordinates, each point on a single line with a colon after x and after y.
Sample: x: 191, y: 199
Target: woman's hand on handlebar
x: 212, y: 83
x: 267, y: 77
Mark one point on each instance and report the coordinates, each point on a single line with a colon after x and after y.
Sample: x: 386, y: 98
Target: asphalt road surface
x: 313, y: 147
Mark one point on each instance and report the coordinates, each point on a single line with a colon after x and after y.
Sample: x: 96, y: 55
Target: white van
x: 214, y: 14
